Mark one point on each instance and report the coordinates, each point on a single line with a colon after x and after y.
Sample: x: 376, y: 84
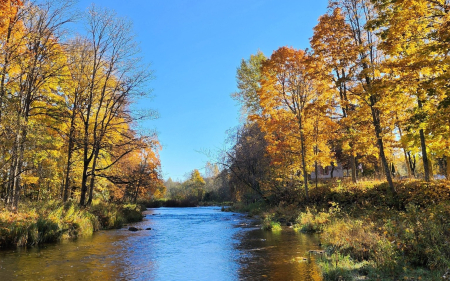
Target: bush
x: 113, y: 216
x: 312, y: 221
x: 422, y: 235
x: 359, y: 240
x: 269, y: 224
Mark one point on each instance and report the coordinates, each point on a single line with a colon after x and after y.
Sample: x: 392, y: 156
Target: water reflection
x: 277, y: 256
x: 184, y: 244
x: 84, y: 259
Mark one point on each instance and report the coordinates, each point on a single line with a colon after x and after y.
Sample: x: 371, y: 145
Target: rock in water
x: 131, y: 228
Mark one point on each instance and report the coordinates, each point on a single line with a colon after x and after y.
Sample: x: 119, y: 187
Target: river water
x: 183, y: 244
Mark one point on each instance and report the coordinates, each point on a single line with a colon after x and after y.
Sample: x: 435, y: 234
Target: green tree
x: 248, y: 78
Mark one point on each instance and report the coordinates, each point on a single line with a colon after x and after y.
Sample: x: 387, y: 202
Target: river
x: 183, y: 244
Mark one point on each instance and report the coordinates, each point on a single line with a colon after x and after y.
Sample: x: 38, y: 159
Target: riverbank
x: 38, y: 223
x: 370, y: 234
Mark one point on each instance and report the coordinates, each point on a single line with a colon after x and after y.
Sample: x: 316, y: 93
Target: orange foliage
x: 8, y: 10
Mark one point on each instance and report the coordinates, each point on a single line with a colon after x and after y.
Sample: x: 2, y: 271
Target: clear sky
x: 194, y: 48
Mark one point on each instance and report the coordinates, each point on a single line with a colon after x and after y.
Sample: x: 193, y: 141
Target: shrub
x: 48, y: 222
x: 53, y: 221
x: 269, y: 224
x: 422, y: 235
x: 360, y: 241
x: 312, y: 221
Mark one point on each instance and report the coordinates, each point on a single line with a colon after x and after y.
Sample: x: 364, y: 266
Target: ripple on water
x: 184, y: 244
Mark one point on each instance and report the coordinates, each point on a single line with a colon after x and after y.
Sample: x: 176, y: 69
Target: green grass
x: 268, y: 223
x: 253, y: 209
x: 39, y: 223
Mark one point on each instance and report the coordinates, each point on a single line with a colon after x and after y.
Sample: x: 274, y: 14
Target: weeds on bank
x: 253, y: 209
x: 268, y: 223
x: 409, y: 245
x: 369, y: 233
x: 313, y: 221
x: 112, y: 216
x: 46, y: 222
x: 380, y: 236
x: 53, y: 221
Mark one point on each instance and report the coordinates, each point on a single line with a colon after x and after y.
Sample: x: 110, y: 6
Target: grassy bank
x: 369, y: 234
x: 50, y: 222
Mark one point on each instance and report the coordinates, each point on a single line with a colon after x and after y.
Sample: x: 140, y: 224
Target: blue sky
x: 194, y: 48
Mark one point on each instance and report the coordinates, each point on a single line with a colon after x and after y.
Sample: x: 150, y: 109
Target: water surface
x: 183, y: 244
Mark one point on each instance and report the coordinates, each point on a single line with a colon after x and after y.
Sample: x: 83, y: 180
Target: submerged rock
x: 148, y: 228
x: 299, y: 259
x: 317, y: 252
x: 131, y: 228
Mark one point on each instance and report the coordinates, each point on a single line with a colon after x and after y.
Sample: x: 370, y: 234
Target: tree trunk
x: 448, y: 167
x: 17, y: 184
x: 4, y: 68
x: 12, y: 172
x: 71, y: 145
x: 377, y: 125
x: 423, y: 147
x: 86, y: 159
x: 408, y: 168
x: 84, y: 182
x: 426, y: 166
x: 305, y: 175
x: 316, y: 170
x: 91, y: 185
x: 353, y: 165
x: 136, y: 193
x: 412, y: 163
x: 332, y: 169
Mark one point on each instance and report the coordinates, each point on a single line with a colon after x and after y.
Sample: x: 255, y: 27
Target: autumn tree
x: 291, y: 91
x: 414, y: 35
x: 194, y: 185
x: 66, y: 114
x: 11, y: 32
x: 138, y: 173
x: 39, y: 69
x: 332, y: 44
x: 371, y: 95
x: 115, y: 76
x: 78, y: 52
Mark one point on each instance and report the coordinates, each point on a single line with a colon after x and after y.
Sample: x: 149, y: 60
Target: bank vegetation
x: 350, y: 138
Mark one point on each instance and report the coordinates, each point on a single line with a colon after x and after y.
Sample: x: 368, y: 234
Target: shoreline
x: 367, y: 233
x: 37, y: 224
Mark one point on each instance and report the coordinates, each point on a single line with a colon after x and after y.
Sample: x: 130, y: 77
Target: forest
x: 350, y: 138
x: 372, y: 92
x: 69, y: 128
